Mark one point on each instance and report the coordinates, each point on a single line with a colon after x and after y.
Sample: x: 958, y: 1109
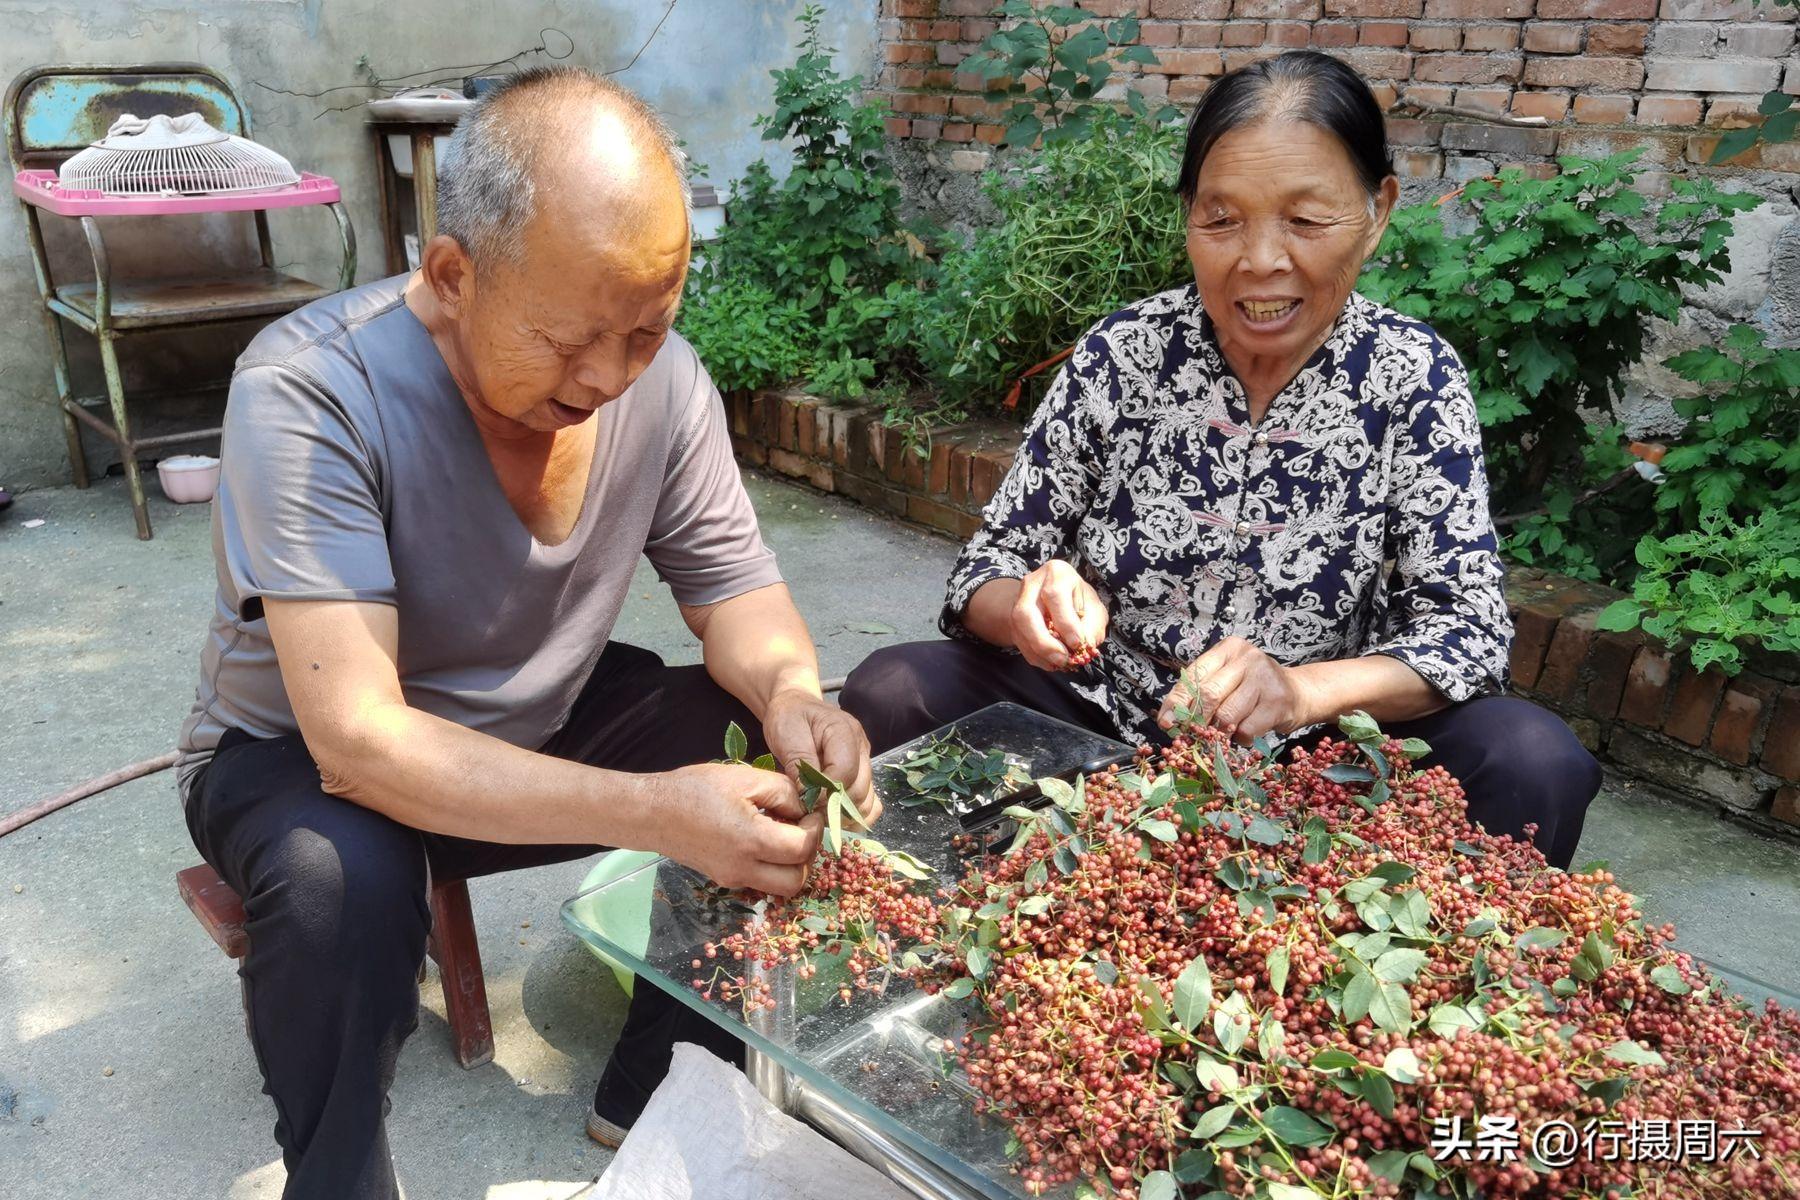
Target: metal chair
x: 54, y: 111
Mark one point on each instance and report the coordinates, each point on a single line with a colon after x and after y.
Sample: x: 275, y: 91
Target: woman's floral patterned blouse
x: 1352, y: 520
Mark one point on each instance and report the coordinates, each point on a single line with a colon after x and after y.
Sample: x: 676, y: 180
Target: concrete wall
x: 706, y: 70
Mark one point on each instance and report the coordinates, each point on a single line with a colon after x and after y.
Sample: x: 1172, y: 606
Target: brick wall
x: 1734, y: 743
x: 1607, y: 74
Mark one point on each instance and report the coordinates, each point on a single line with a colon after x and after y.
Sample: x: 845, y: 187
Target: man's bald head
x: 554, y: 136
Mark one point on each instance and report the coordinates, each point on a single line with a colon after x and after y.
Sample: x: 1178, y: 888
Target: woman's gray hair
x: 487, y: 191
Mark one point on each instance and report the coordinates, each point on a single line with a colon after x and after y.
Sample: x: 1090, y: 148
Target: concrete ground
x: 123, y: 1066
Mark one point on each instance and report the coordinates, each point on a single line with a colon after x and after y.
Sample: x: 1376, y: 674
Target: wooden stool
x: 452, y: 946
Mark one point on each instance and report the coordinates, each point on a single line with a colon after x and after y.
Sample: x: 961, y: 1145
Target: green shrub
x: 1548, y: 297
x: 802, y: 256
x: 1086, y: 227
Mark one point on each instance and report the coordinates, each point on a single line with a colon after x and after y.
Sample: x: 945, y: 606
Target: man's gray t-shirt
x: 352, y: 470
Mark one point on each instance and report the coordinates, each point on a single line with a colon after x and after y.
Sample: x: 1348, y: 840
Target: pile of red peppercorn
x: 1213, y: 974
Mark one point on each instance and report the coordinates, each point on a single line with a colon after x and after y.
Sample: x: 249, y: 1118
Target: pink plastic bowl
x: 189, y: 478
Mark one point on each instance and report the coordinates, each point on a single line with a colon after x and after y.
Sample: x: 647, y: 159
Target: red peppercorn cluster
x: 1085, y: 652
x: 1259, y: 977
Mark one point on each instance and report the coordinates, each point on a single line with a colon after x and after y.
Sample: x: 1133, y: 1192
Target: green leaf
x: 1296, y: 1128
x: 1402, y: 1065
x: 1335, y: 1060
x: 958, y: 988
x: 1634, y: 1054
x: 834, y: 827
x: 979, y: 960
x: 1389, y: 1165
x: 1540, y: 938
x: 1378, y: 1091
x: 1399, y: 966
x: 1214, y: 1120
x: 1193, y: 994
x: 1277, y: 965
x: 1359, y: 994
x: 1391, y: 1008
x: 736, y: 744
x: 1162, y: 831
x: 1620, y: 615
x: 1668, y: 978
x: 1448, y: 1020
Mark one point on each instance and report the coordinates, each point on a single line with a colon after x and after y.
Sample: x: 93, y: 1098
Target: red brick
x: 1245, y: 57
x: 1533, y: 627
x: 915, y: 8
x: 1507, y: 141
x: 935, y: 514
x: 1786, y: 805
x: 1568, y: 650
x: 1280, y: 10
x: 806, y: 427
x: 1418, y: 164
x: 1722, y: 10
x: 1289, y: 34
x: 1426, y: 93
x: 908, y: 52
x: 959, y: 131
x: 1669, y: 110
x: 1773, y: 156
x: 1598, y: 10
x: 1603, y: 110
x: 1734, y: 730
x: 1623, y: 39
x: 1411, y: 131
x: 1374, y: 62
x: 990, y: 134
x: 1202, y: 33
x: 937, y: 474
x: 979, y: 29
x: 1615, y: 74
x: 965, y: 8
x: 930, y: 130
x: 1758, y: 41
x: 1552, y: 37
x: 1691, y: 709
x: 1609, y: 666
x: 1711, y: 75
x: 1374, y: 8
x: 894, y: 453
x: 1653, y: 149
x: 1421, y: 37
x: 1188, y: 62
x: 1478, y: 9
x: 1467, y: 68
x: 1491, y: 38
x: 898, y: 127
x: 1242, y: 33
x: 1191, y: 88
x: 916, y: 460
x: 1646, y: 688
x: 986, y: 470
x: 957, y: 485
x: 1781, y: 744
x: 1205, y: 10
x: 1552, y: 106
x: 1334, y: 33
x: 1729, y: 112
x: 749, y: 450
x: 1384, y: 94
x: 1159, y: 33
x: 1492, y: 99
x: 918, y: 102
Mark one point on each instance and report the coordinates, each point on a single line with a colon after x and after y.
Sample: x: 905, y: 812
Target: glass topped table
x: 870, y: 1073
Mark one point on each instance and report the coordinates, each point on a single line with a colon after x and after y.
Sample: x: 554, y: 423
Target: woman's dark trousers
x: 1518, y: 763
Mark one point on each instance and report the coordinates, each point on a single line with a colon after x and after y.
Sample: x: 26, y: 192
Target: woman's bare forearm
x: 1385, y: 688
x: 989, y: 612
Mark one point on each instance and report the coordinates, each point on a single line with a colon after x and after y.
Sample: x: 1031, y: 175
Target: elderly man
x: 435, y: 490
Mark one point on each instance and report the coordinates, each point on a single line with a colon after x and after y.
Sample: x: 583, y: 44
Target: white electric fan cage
x: 174, y: 155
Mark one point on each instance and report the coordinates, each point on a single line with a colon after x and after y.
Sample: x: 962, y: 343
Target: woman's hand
x: 1058, y: 619
x: 1237, y: 688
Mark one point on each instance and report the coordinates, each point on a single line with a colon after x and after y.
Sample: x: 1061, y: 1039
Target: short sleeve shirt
x: 1351, y: 520
x: 353, y: 470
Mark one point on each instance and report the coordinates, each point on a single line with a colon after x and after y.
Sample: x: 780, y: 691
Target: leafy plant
x: 1053, y: 59
x: 1780, y: 119
x: 1549, y: 293
x: 1740, y: 452
x: 1085, y: 228
x: 1718, y: 586
x: 809, y: 258
x: 948, y: 772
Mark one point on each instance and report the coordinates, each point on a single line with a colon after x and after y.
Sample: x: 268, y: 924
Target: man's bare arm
x: 338, y: 664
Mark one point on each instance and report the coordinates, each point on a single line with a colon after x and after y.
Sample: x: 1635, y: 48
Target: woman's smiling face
x: 1279, y: 229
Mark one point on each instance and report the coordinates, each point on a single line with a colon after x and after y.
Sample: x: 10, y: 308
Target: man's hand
x: 1057, y: 615
x: 739, y: 826
x: 800, y: 727
x: 1237, y: 688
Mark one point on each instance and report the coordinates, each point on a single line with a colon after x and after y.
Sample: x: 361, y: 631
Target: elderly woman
x: 1261, y: 486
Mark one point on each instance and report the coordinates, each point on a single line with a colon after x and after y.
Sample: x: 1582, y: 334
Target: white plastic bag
x: 708, y: 1135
